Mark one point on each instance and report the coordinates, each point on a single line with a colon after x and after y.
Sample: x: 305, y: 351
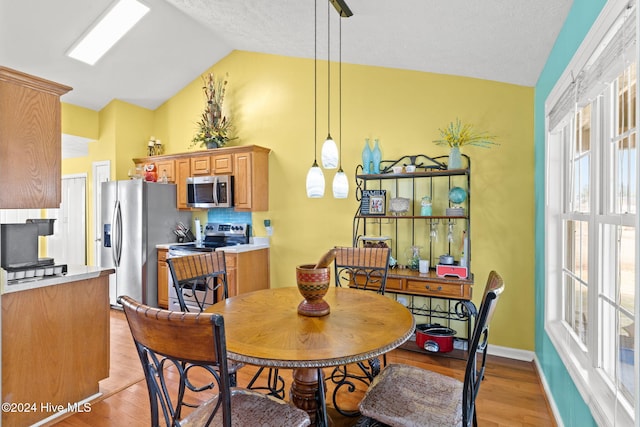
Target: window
x: 591, y: 217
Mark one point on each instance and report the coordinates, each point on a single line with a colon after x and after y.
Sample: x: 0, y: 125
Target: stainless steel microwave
x: 210, y: 191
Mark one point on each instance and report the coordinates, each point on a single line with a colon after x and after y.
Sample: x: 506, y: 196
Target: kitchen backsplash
x: 228, y: 215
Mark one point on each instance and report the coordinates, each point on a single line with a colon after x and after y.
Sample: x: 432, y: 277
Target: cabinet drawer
x: 393, y: 284
x: 448, y: 290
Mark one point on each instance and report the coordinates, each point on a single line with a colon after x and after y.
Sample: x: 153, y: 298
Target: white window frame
x: 581, y: 360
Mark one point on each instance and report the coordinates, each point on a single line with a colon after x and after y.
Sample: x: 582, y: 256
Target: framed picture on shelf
x: 373, y: 202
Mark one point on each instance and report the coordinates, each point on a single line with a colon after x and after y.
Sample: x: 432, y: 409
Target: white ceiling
x: 501, y: 40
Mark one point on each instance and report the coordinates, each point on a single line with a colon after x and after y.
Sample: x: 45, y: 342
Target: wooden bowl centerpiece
x: 313, y: 283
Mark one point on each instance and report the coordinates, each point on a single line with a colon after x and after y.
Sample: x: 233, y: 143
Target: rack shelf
x: 435, y: 234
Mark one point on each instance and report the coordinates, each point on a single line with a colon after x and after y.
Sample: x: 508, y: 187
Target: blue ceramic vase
x: 366, y: 157
x: 376, y: 156
x: 455, y: 158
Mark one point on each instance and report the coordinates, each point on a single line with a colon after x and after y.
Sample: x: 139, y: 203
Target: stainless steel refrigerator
x: 136, y: 216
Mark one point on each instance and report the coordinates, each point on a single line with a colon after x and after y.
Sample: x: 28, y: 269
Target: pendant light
x: 315, y: 177
x: 329, y: 148
x: 340, y: 181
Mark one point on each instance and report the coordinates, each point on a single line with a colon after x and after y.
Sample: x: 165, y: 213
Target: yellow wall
x: 271, y: 101
x: 120, y: 132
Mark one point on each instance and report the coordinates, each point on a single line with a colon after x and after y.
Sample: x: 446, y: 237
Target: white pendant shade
x: 340, y: 185
x: 329, y: 154
x: 315, y: 182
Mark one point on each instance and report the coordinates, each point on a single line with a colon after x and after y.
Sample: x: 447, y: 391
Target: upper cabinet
x: 251, y: 180
x: 166, y: 169
x: 222, y: 163
x: 248, y: 164
x: 30, y: 141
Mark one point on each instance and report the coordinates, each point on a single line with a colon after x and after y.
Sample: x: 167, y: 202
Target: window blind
x: 616, y: 51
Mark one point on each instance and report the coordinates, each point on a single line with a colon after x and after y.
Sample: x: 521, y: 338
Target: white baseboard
x: 82, y: 406
x: 511, y: 353
x: 529, y: 356
x: 547, y: 392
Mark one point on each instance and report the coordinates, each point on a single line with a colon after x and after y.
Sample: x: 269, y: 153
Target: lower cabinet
x: 55, y: 348
x: 163, y: 279
x: 246, y: 272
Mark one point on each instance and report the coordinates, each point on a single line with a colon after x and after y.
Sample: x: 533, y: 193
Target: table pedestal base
x: 304, y: 390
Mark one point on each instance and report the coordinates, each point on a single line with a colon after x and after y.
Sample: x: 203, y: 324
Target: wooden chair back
x: 205, y: 272
x: 165, y: 341
x: 362, y: 268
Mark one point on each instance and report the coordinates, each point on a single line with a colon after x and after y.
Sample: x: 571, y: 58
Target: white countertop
x: 255, y: 244
x: 244, y: 248
x: 74, y: 274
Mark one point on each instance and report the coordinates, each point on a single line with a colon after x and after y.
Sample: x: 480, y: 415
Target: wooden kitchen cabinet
x: 247, y: 271
x: 183, y: 171
x: 231, y: 260
x: 166, y: 167
x: 30, y: 141
x: 251, y: 185
x: 248, y: 164
x: 201, y: 165
x: 222, y: 164
x: 55, y: 346
x: 163, y: 279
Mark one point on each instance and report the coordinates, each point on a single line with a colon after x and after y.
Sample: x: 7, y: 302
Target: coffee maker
x: 19, y: 251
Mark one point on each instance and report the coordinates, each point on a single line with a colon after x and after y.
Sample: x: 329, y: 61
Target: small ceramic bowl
x: 397, y: 169
x: 410, y: 168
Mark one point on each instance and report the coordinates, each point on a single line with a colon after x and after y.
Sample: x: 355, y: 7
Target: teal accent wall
x: 572, y: 408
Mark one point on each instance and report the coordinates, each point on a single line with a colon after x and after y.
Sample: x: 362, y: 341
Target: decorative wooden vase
x: 313, y: 284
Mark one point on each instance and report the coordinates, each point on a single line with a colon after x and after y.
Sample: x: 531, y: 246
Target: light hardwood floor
x: 511, y: 394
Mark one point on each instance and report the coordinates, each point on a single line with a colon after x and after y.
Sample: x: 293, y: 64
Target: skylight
x: 110, y: 28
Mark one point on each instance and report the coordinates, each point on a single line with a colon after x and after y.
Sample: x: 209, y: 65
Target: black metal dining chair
x: 199, y: 280
x: 366, y: 269
x: 404, y: 395
x: 177, y: 350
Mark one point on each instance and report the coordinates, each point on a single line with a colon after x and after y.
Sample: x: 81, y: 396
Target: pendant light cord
x: 328, y: 71
x: 340, y: 90
x: 315, y: 83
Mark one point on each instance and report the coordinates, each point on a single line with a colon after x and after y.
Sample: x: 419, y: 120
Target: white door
x: 101, y: 173
x: 67, y: 245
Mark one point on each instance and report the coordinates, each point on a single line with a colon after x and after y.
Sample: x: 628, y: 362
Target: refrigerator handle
x: 116, y: 234
x: 215, y: 190
x: 119, y: 231
x: 113, y: 241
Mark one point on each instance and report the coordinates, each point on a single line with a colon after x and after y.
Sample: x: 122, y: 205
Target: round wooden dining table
x: 264, y: 328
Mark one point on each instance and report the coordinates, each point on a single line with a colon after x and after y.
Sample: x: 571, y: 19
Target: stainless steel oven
x: 190, y: 297
x: 216, y: 235
x: 210, y: 191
